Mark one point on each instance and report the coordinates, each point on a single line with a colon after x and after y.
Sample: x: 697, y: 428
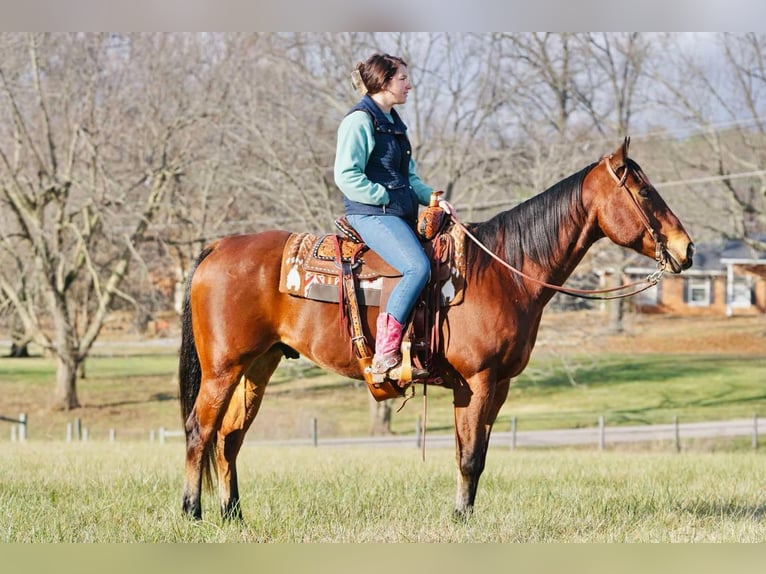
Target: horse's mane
x: 532, y: 228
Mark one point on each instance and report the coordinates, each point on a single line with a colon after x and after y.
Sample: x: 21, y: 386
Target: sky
x: 391, y: 15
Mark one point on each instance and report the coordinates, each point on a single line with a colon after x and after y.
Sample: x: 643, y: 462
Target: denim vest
x: 389, y: 165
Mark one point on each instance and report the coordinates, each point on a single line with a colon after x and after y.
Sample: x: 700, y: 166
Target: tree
x: 88, y: 160
x: 717, y: 85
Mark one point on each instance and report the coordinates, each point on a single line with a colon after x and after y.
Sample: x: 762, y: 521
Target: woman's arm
x: 356, y: 138
x: 422, y: 190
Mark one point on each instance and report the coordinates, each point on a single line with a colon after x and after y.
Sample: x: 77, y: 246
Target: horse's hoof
x: 233, y: 514
x: 193, y: 514
x: 462, y: 515
x: 191, y: 509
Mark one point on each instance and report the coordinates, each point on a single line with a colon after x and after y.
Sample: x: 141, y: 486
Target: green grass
x: 135, y: 394
x: 56, y: 492
x: 643, y: 389
x: 129, y: 491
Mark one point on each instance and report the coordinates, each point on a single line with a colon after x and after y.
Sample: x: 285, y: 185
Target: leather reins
x: 650, y: 281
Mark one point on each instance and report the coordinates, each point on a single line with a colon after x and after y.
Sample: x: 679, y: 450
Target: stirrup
x: 401, y: 372
x: 417, y: 374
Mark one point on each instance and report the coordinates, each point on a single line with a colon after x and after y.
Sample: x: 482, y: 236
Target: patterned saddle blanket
x: 310, y: 267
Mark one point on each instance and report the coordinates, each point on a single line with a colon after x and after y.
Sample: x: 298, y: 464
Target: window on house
x: 742, y: 292
x: 698, y: 291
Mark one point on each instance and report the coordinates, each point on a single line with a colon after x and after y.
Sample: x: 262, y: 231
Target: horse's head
x: 632, y: 214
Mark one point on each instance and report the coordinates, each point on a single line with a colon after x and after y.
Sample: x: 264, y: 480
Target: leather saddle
x: 312, y: 266
x: 340, y: 268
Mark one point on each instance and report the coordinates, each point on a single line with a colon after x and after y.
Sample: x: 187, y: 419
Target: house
x: 727, y: 279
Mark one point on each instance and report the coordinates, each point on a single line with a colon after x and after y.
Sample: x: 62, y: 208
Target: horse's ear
x: 620, y: 157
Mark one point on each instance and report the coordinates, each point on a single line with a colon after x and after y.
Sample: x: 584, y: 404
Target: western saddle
x: 340, y: 268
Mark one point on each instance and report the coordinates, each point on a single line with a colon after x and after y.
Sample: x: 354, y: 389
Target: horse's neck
x: 572, y: 247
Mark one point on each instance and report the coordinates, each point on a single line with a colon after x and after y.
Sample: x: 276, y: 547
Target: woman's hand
x: 447, y: 206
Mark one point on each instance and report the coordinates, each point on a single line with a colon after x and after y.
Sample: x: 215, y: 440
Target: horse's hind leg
x: 243, y: 407
x: 201, y: 426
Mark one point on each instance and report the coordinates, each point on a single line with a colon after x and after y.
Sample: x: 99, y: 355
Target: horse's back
x: 235, y: 286
x: 247, y: 251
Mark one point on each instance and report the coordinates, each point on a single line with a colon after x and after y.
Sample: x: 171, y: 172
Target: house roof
x: 740, y: 252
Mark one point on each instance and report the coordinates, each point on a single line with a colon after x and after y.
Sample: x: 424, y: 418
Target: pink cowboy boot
x: 387, y: 344
x: 387, y: 361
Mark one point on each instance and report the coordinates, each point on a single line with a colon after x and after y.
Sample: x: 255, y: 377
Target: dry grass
x: 99, y: 493
x: 575, y: 333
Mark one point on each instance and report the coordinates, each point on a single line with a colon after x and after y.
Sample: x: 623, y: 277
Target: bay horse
x: 237, y: 325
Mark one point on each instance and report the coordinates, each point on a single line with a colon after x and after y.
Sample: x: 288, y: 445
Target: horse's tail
x: 189, y: 369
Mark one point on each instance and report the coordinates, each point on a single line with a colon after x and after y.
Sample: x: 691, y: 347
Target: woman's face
x: 398, y: 86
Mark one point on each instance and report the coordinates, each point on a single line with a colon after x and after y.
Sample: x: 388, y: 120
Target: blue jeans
x: 395, y: 241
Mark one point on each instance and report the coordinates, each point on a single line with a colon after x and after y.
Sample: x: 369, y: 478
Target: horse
x: 237, y: 326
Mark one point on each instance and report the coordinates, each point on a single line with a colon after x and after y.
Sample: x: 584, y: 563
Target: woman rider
x: 376, y: 173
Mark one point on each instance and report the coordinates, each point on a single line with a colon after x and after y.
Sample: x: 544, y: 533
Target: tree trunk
x: 380, y: 417
x: 19, y: 350
x: 65, y: 397
x: 615, y: 308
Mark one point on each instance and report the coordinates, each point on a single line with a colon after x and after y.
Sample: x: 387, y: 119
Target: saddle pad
x: 453, y: 286
x: 307, y: 271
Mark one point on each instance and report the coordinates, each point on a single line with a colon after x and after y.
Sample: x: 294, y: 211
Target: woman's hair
x: 370, y: 76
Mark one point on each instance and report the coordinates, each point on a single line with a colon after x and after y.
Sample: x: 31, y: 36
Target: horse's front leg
x: 476, y: 406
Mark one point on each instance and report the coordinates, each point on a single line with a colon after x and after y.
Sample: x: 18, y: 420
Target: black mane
x: 531, y: 229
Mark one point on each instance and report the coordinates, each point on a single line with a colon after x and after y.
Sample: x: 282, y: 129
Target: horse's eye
x: 645, y: 192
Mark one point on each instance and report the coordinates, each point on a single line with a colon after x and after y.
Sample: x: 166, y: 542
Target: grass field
x: 659, y: 368
x: 131, y: 493
x: 624, y: 378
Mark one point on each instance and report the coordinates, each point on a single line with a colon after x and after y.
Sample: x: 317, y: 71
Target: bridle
x: 637, y: 286
x: 660, y: 252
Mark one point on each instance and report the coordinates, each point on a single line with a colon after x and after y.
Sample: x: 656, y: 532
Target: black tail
x: 189, y: 372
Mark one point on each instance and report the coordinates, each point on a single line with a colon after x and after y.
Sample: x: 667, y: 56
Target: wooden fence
x: 19, y: 428
x: 599, y: 436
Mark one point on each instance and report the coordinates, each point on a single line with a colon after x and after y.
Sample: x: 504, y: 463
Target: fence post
x: 22, y: 427
x: 162, y: 435
x: 14, y: 433
x: 513, y: 433
x: 314, y: 431
x: 418, y: 432
x: 678, y: 433
x: 69, y: 432
x: 601, y: 433
x: 112, y: 435
x: 85, y: 434
x: 755, y: 431
x: 78, y: 428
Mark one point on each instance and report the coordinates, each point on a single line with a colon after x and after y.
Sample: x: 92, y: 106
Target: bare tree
x: 717, y: 86
x: 121, y: 155
x: 91, y: 158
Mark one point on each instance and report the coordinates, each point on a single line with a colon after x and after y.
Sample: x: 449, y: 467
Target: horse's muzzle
x: 678, y: 264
